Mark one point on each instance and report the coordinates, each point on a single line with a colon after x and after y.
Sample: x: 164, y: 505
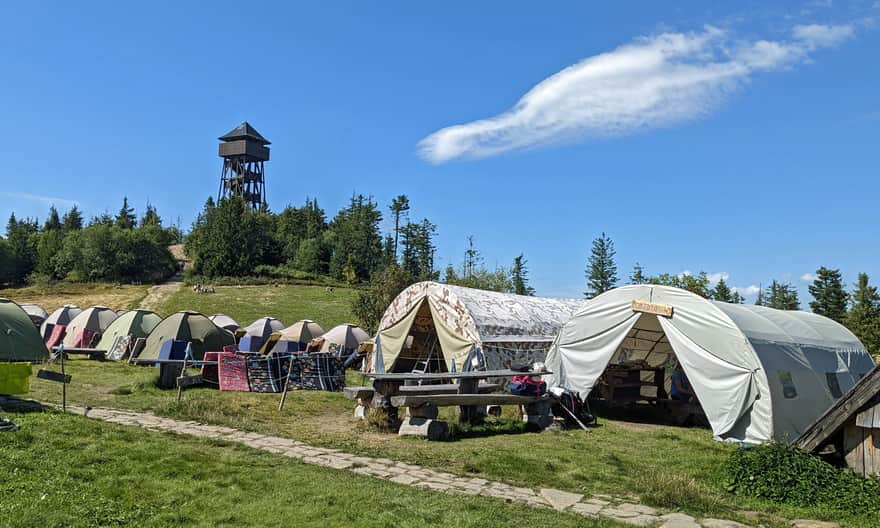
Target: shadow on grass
x: 21, y: 405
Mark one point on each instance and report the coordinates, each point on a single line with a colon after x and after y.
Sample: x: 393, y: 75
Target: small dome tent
x: 343, y: 339
x: 295, y: 337
x: 135, y: 323
x: 37, y: 314
x: 258, y: 332
x: 19, y: 339
x: 192, y: 327
x: 440, y: 323
x: 224, y: 321
x: 60, y: 317
x: 759, y: 373
x: 89, y: 323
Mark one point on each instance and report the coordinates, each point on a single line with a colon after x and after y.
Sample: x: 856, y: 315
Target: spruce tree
x: 829, y: 297
x: 126, y: 218
x: 638, y: 275
x: 782, y: 296
x: 759, y: 300
x: 519, y: 273
x: 863, y: 318
x: 601, y: 269
x: 399, y: 206
x: 52, y: 221
x: 73, y: 220
x: 722, y: 292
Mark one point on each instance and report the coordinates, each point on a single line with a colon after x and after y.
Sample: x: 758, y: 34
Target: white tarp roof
x: 759, y: 373
x: 468, y: 317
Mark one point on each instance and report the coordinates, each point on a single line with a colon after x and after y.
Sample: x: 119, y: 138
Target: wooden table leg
x: 469, y: 414
x: 383, y: 391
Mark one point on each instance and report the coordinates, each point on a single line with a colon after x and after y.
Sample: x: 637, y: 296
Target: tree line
x: 858, y: 310
x: 117, y: 248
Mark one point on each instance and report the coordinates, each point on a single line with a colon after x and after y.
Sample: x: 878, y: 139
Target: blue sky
x: 730, y: 137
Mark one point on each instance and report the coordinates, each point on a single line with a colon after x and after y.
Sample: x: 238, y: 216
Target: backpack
x: 570, y: 405
x: 526, y: 386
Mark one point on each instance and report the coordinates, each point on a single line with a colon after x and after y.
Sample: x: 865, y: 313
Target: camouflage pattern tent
x: 441, y: 323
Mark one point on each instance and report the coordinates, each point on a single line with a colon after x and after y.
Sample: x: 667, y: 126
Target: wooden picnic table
x: 388, y: 385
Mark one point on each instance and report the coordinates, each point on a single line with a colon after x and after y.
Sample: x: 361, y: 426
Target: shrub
x: 788, y: 475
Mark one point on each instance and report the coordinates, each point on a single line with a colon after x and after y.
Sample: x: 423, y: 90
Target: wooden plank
x: 363, y: 392
x: 49, y: 375
x: 478, y: 374
x: 872, y: 446
x: 833, y: 419
x: 448, y: 400
x: 853, y: 448
x: 652, y: 308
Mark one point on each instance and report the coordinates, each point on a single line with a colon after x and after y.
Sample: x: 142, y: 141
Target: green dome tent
x: 135, y: 323
x: 19, y: 339
x: 193, y: 327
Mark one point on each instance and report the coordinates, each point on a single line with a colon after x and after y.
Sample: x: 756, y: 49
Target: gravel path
x: 159, y: 293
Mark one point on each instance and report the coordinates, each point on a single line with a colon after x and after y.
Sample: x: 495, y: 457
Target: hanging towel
x: 14, y: 378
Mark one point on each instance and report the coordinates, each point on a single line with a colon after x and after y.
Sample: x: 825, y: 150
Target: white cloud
x: 747, y: 291
x: 822, y: 36
x: 808, y: 277
x: 47, y: 200
x: 652, y: 82
x: 714, y: 278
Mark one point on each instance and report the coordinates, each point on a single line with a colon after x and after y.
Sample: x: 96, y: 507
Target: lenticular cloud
x: 653, y: 82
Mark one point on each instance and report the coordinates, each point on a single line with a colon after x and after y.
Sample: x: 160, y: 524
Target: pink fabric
x: 210, y: 372
x: 232, y: 372
x: 56, y: 336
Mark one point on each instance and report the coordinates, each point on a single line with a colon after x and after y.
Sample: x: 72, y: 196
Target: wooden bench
x: 365, y: 393
x: 448, y: 400
x: 92, y: 353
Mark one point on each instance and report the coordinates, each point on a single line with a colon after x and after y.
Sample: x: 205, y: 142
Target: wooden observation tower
x: 243, y: 151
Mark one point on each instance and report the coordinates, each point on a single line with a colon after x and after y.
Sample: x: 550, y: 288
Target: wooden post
x: 468, y: 414
x: 182, y: 373
x: 383, y: 391
x: 63, y: 385
x: 286, y: 385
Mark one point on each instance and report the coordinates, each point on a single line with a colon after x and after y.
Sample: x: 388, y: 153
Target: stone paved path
x: 622, y: 509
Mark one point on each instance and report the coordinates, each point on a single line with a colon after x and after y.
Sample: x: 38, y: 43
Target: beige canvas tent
x: 441, y: 323
x: 294, y: 338
x: 224, y: 321
x: 343, y: 339
x: 759, y: 373
x: 95, y: 320
x: 37, y: 314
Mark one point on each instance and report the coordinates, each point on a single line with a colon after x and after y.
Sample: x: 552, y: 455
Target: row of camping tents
x: 148, y: 336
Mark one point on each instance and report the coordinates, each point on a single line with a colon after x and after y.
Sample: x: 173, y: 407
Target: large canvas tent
x: 191, y: 327
x: 90, y: 322
x: 440, y: 323
x: 60, y: 317
x: 759, y: 373
x: 135, y: 323
x: 19, y: 339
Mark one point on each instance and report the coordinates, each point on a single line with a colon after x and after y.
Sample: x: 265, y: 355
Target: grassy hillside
x: 82, y: 295
x: 61, y: 470
x: 289, y: 303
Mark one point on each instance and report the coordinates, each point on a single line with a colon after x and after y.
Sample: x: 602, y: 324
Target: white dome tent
x: 759, y: 373
x: 441, y: 323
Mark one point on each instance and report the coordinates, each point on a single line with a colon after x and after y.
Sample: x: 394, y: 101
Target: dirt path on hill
x: 159, y: 293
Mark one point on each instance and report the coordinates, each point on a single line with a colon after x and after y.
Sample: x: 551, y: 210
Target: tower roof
x: 244, y: 131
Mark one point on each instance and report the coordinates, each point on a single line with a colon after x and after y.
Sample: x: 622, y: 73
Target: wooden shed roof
x: 862, y: 397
